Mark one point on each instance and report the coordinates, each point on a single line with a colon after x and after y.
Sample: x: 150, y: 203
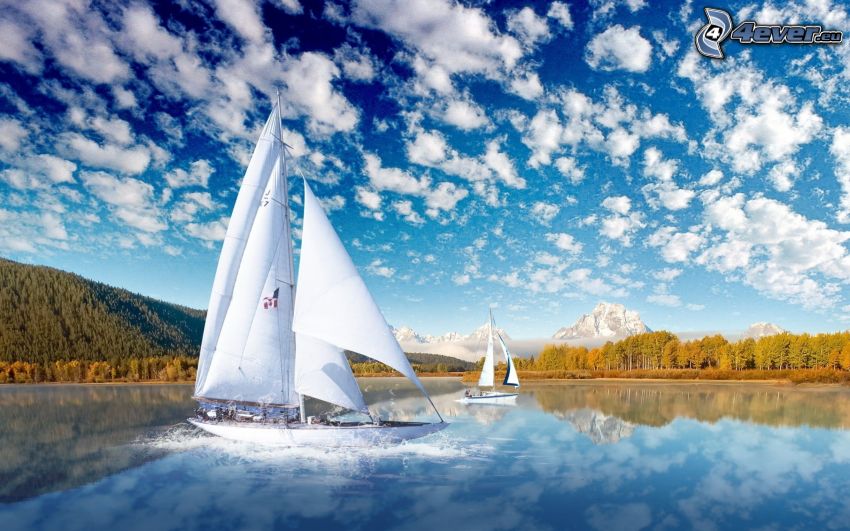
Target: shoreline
x: 528, y: 382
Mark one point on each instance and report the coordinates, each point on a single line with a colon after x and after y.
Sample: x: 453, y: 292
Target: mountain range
x: 606, y: 320
x: 405, y: 334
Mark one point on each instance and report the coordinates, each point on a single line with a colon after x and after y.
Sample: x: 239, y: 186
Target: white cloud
x: 620, y: 145
x: 357, y: 64
x: 565, y: 242
x: 606, y: 8
x: 377, y: 268
x: 198, y: 175
x: 78, y: 38
x: 543, y: 136
x: 675, y: 246
x: 212, y: 231
x: 711, y: 178
x: 428, y: 148
x: 28, y: 232
x: 782, y: 175
x: 190, y: 204
x: 776, y: 250
x: 292, y: 7
x: 528, y: 26
x: 131, y: 201
x: 465, y: 115
x: 310, y: 92
x: 335, y: 202
x: 443, y: 197
x: 243, y: 16
x: 664, y: 189
x: 12, y: 133
x: 449, y: 36
x: 667, y: 274
x: 393, y: 179
x: 620, y: 204
x: 502, y: 166
x: 560, y: 11
x: 764, y: 123
x: 53, y: 226
x: 461, y: 280
x: 621, y: 228
x: 544, y: 212
x: 668, y: 46
x: 618, y: 48
x: 569, y: 169
x: 16, y: 45
x: 39, y: 171
x: 840, y: 149
x: 613, y: 126
x: 369, y: 199
x: 769, y: 134
x: 404, y: 208
x: 131, y: 160
x: 527, y: 86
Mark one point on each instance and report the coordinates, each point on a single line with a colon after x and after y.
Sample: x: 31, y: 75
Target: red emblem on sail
x: 271, y: 302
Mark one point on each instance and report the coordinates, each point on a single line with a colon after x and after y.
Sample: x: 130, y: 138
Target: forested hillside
x: 49, y: 315
x: 58, y: 326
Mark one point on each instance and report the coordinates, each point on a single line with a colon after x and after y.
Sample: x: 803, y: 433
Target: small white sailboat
x: 487, y: 378
x: 265, y: 346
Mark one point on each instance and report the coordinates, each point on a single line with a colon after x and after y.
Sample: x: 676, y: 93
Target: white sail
x: 332, y: 303
x: 511, y: 377
x: 252, y: 359
x: 486, y: 378
x: 261, y: 166
x: 321, y: 371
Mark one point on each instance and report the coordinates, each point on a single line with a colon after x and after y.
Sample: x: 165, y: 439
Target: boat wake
x: 436, y: 447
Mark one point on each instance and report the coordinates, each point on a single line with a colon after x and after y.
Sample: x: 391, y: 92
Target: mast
x: 283, y: 175
x: 490, y: 330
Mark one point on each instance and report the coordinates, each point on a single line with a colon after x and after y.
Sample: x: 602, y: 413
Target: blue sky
x: 537, y: 156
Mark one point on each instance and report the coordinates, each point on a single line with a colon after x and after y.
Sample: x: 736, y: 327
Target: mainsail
x: 247, y: 348
x: 486, y: 378
x: 263, y: 160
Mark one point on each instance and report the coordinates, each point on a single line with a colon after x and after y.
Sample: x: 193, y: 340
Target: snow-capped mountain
x: 606, y: 320
x: 405, y: 334
x: 480, y: 334
x: 448, y: 337
x: 757, y: 330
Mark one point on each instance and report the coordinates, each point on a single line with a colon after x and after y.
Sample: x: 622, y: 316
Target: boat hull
x: 319, y: 434
x: 490, y: 398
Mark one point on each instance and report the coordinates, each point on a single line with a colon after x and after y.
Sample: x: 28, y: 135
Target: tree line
x: 663, y: 350
x: 163, y: 368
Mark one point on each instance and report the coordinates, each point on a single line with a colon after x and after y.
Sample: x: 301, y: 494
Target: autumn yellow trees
x: 165, y: 369
x: 663, y: 350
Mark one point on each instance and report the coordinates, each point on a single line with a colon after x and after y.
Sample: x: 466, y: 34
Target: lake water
x: 579, y: 455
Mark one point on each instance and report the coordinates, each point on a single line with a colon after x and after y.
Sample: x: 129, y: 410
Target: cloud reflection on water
x: 562, y: 458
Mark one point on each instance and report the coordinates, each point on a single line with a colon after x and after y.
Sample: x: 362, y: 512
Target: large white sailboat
x: 266, y: 345
x: 487, y: 378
